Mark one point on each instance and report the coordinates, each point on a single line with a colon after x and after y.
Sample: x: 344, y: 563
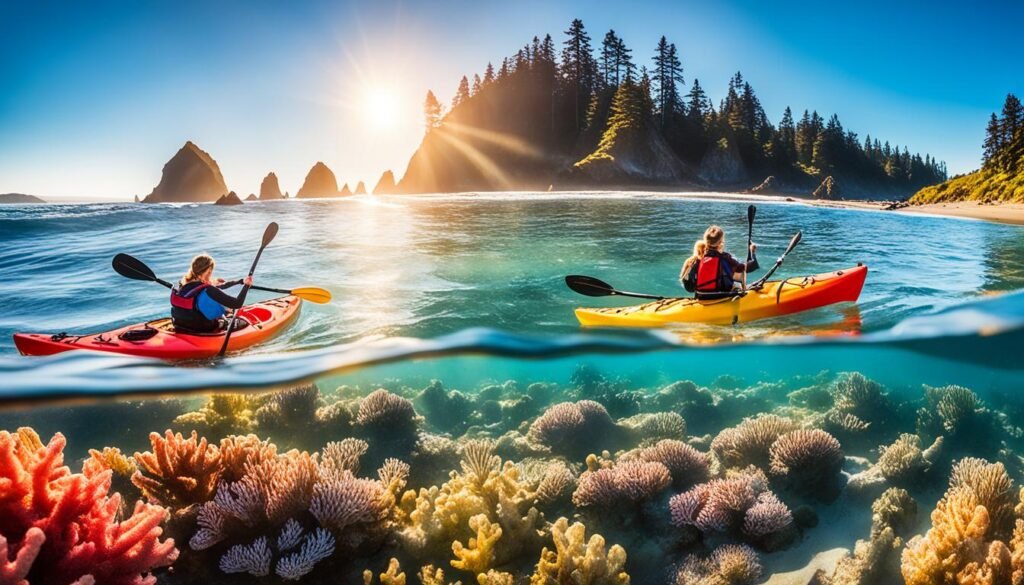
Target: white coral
x: 253, y: 559
x: 316, y: 547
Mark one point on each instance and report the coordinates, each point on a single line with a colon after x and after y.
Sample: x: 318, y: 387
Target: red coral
x: 71, y: 519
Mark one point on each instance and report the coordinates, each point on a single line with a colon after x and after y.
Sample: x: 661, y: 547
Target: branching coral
x: 652, y: 427
x: 810, y: 461
x: 954, y: 548
x: 478, y: 555
x: 749, y: 442
x: 903, y: 462
x: 853, y: 393
x: 431, y: 519
x: 179, y: 471
x: 740, y: 505
x: 578, y: 561
x: 729, y: 564
x: 625, y: 482
x: 992, y: 486
x: 221, y: 415
x: 238, y: 450
x: 572, y: 428
x: 276, y: 489
x: 386, y: 412
x: 62, y: 527
x: 289, y: 411
x: 556, y: 483
x: 686, y: 464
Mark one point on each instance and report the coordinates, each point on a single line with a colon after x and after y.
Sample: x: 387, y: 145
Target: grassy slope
x: 985, y: 185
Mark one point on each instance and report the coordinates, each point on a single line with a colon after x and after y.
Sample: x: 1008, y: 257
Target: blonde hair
x: 714, y: 237
x: 700, y: 248
x: 200, y: 264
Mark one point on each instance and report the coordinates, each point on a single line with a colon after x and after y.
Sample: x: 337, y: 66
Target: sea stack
x: 360, y: 188
x: 229, y: 199
x: 270, y: 188
x: 191, y: 175
x: 386, y: 184
x: 320, y: 182
x: 345, y: 190
x: 252, y: 197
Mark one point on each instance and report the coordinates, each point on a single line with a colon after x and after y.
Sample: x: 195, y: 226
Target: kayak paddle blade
x: 796, y: 240
x: 751, y: 212
x: 313, y: 294
x: 133, y: 268
x: 589, y: 286
x: 270, y: 233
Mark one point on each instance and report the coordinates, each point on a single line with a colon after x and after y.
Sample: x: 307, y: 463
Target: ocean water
x: 457, y: 304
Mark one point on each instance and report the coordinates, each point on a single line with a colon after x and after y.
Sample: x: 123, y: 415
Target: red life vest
x: 708, y: 270
x: 185, y: 297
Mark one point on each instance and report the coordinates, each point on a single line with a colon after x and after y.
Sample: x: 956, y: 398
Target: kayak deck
x: 158, y: 338
x: 775, y: 298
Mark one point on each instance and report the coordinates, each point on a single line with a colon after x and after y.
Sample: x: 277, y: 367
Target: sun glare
x: 380, y: 108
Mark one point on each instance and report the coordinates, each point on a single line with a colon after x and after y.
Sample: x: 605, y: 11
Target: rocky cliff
x: 190, y: 175
x: 19, y: 198
x: 320, y: 182
x: 270, y: 189
x: 386, y: 184
x: 229, y: 199
x: 360, y: 188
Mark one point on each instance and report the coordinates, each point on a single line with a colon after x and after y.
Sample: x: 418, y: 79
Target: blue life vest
x: 192, y: 307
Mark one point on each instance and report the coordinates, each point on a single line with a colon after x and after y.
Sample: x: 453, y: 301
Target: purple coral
x: 571, y: 427
x: 810, y: 461
x: 686, y: 464
x: 382, y: 410
x: 630, y: 481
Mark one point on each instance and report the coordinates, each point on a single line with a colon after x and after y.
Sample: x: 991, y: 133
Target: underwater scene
x: 445, y: 419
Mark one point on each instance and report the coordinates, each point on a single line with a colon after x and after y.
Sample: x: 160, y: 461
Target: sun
x: 380, y: 108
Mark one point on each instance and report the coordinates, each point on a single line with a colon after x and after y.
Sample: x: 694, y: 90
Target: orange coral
x: 179, y: 471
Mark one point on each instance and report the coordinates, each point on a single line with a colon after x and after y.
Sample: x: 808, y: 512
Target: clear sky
x: 95, y: 97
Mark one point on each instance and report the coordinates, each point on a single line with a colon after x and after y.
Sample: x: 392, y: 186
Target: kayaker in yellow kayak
x: 711, y: 269
x: 198, y: 303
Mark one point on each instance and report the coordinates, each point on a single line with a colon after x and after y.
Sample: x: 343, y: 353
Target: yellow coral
x: 493, y: 577
x: 577, y: 561
x: 429, y: 575
x: 393, y: 576
x: 479, y: 555
x: 222, y: 414
x: 109, y: 458
x: 954, y: 543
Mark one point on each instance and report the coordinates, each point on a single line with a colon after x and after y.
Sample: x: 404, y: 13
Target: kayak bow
x: 158, y: 339
x: 773, y: 299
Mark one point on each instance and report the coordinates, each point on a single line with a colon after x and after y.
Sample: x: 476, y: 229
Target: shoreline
x: 1004, y: 213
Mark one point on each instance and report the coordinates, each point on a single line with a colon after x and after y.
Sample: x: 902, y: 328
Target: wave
x: 985, y: 333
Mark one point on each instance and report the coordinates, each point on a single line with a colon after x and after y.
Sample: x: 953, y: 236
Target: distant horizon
x: 98, y: 101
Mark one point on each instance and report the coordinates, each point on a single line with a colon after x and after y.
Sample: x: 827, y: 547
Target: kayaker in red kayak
x: 710, y: 269
x: 198, y: 302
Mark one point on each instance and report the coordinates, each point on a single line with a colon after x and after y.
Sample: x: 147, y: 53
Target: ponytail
x: 700, y: 248
x: 200, y: 264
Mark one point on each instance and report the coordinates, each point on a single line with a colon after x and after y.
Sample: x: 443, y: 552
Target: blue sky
x: 96, y: 97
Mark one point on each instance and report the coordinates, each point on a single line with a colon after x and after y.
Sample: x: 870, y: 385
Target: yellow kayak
x: 775, y: 298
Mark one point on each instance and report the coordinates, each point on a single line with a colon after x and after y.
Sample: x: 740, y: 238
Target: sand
x: 1011, y: 213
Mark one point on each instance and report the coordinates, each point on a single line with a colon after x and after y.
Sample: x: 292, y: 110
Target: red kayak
x: 158, y: 339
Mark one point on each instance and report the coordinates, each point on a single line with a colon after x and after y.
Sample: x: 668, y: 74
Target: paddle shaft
x: 751, y: 211
x: 241, y: 298
x: 792, y: 244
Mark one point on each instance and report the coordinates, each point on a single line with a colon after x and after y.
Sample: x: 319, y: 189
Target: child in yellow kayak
x: 711, y: 269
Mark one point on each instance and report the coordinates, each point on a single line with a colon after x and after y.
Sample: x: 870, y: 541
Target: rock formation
x: 345, y: 190
x: 360, y: 188
x: 722, y: 164
x: 252, y: 197
x: 828, y: 189
x: 21, y: 198
x: 190, y: 175
x: 270, y: 188
x: 136, y: 199
x: 320, y: 182
x: 386, y: 184
x: 229, y: 199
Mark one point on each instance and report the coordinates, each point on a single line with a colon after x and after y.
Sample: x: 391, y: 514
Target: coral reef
x: 749, y: 442
x: 62, y: 527
x: 685, y: 464
x: 624, y: 482
x: 572, y: 429
x: 729, y: 564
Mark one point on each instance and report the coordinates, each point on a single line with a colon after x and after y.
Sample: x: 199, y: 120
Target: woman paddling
x: 198, y: 302
x: 711, y: 269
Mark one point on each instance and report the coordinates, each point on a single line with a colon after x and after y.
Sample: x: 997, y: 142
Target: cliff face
x: 270, y: 188
x: 191, y: 175
x: 386, y: 184
x: 320, y: 182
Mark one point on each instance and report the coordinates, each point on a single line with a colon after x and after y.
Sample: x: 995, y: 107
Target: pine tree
x: 462, y: 93
x: 993, y: 142
x: 477, y: 84
x: 668, y: 72
x: 786, y: 153
x: 579, y: 70
x: 609, y: 59
x: 1011, y: 131
x: 697, y: 103
x: 432, y: 111
x: 489, y: 74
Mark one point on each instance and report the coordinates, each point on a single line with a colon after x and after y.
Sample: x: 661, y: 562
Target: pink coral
x: 382, y: 410
x: 629, y: 481
x: 63, y: 526
x: 572, y: 427
x: 810, y: 461
x: 686, y: 464
x: 179, y: 471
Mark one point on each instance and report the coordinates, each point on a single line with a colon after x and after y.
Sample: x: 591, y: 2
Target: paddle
x: 792, y: 244
x: 268, y: 236
x: 751, y: 211
x: 135, y: 269
x: 592, y: 287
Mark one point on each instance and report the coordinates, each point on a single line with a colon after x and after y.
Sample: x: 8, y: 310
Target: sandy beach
x: 1008, y: 213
